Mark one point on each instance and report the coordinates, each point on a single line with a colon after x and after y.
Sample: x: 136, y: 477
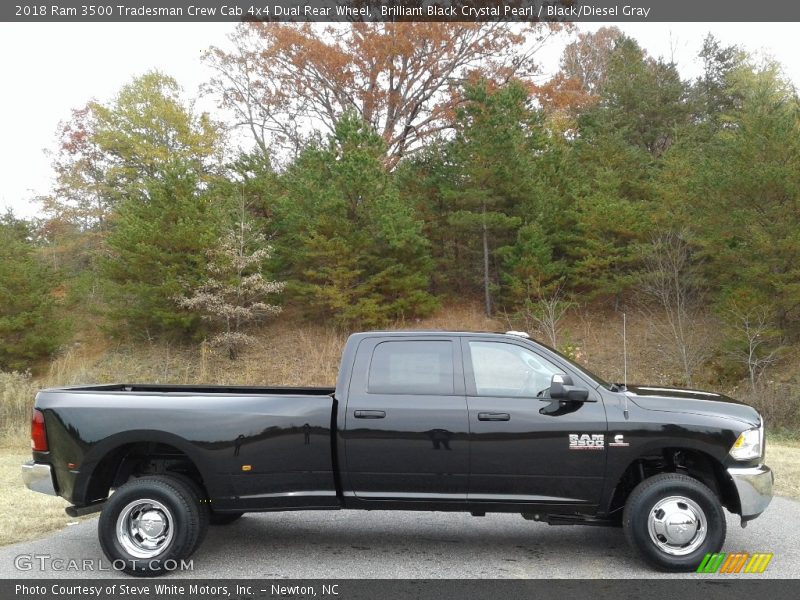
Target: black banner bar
x: 714, y: 587
x: 106, y: 11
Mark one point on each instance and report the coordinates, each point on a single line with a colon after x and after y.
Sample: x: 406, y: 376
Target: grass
x: 26, y: 515
x: 16, y: 398
x: 785, y: 463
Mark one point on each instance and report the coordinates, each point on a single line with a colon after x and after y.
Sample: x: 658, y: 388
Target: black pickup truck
x: 446, y: 421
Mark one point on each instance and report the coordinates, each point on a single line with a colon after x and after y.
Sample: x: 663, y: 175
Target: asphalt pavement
x: 384, y: 544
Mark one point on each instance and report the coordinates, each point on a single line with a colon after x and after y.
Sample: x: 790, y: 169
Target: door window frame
x: 363, y: 364
x: 469, y: 371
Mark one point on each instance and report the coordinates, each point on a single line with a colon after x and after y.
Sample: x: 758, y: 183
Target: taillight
x: 38, y: 432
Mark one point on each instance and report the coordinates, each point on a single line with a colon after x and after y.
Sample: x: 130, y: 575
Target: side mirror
x: 562, y: 388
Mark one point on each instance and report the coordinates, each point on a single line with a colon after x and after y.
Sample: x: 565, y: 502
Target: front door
x: 406, y: 425
x: 520, y: 442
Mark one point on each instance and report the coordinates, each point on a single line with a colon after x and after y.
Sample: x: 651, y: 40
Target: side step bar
x: 79, y: 511
x: 568, y: 520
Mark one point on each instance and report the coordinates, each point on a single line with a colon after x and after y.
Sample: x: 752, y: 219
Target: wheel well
x: 694, y: 463
x: 141, y: 458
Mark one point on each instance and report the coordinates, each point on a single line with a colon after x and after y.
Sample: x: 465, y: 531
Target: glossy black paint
x: 527, y: 458
x: 283, y: 435
x: 307, y: 448
x: 419, y: 450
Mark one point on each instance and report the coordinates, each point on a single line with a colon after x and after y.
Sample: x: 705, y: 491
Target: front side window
x: 406, y: 367
x: 508, y: 370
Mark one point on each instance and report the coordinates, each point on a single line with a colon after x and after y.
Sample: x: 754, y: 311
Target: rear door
x: 406, y: 426
x: 520, y: 439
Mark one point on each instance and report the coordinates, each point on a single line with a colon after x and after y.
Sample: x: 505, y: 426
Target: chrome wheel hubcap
x: 145, y: 528
x: 677, y: 525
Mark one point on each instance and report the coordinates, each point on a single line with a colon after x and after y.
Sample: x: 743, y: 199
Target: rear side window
x: 406, y: 367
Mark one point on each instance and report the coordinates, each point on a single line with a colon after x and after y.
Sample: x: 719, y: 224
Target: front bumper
x: 39, y: 478
x: 754, y: 485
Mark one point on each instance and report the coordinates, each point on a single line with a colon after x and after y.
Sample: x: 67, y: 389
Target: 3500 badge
x: 586, y: 441
x: 594, y: 441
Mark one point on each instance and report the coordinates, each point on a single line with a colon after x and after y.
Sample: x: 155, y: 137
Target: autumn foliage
x: 283, y: 81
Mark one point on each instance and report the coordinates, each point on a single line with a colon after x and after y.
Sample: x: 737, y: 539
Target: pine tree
x: 351, y: 250
x: 493, y: 187
x: 30, y: 327
x: 742, y: 194
x: 156, y: 251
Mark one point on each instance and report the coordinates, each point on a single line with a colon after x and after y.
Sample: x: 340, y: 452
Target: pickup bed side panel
x: 254, y: 452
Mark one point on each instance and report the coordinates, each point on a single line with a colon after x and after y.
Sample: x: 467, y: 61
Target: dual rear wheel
x: 150, y: 524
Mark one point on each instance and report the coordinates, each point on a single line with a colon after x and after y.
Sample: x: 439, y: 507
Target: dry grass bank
x: 26, y: 515
x: 785, y: 462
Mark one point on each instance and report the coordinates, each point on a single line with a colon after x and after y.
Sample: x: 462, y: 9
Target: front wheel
x: 149, y: 524
x: 674, y: 521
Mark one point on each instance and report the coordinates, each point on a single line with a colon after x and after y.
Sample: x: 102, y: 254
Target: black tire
x: 203, y: 505
x: 163, y: 501
x: 690, y: 502
x: 226, y: 518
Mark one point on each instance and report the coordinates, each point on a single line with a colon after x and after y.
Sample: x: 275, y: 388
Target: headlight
x: 748, y: 445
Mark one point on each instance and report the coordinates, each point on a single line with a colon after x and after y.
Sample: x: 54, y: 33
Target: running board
x: 568, y: 520
x: 79, y: 511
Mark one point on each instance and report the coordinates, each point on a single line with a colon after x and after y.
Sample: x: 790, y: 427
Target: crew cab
x: 418, y: 420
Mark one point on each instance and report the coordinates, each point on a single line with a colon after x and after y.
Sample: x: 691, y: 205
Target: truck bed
x: 253, y: 446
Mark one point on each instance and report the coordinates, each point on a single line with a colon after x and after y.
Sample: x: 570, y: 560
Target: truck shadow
x: 356, y: 543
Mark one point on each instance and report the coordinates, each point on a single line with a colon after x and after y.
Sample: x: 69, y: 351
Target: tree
x: 643, y: 99
x: 586, y: 60
x: 585, y: 63
x: 713, y: 94
x: 30, y: 327
x: 283, y: 79
x: 493, y: 187
x: 423, y: 181
x: 541, y: 258
x: 617, y: 151
x: 545, y: 314
x: 563, y: 100
x: 157, y: 251
x: 608, y: 184
x: 108, y: 152
x: 82, y: 195
x: 741, y: 192
x: 753, y: 340
x: 350, y: 249
x: 672, y: 295
x: 235, y: 291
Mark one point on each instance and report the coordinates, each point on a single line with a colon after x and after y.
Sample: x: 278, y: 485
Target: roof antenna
x: 625, y: 363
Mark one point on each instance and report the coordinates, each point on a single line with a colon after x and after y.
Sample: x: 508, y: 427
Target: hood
x: 692, y: 401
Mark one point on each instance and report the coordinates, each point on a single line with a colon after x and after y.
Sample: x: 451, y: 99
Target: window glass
x: 406, y: 367
x: 508, y: 370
